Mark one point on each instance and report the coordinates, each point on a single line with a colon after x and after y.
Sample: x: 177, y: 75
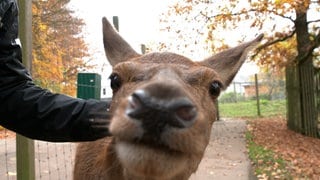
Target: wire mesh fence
x: 241, y: 98
x: 7, y: 155
x: 254, y: 98
x: 53, y: 161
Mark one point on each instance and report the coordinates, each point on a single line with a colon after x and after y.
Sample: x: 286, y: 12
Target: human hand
x: 99, y: 122
x: 95, y: 123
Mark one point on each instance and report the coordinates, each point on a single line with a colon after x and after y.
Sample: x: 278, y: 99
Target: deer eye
x: 115, y: 81
x: 215, y: 88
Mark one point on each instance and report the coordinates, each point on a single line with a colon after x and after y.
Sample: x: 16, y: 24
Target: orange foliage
x: 276, y: 19
x: 58, y: 50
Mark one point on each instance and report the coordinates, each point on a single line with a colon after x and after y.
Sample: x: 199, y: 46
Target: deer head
x: 163, y: 109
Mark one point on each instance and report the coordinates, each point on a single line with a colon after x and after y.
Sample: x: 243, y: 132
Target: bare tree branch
x: 314, y: 21
x: 258, y: 49
x: 247, y: 12
x: 280, y: 15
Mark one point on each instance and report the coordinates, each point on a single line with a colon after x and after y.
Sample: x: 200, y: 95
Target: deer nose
x: 155, y: 113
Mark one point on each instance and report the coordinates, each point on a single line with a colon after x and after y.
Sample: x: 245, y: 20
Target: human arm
x: 36, y: 112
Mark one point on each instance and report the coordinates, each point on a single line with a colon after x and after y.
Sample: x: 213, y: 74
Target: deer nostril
x: 186, y: 113
x: 135, y: 102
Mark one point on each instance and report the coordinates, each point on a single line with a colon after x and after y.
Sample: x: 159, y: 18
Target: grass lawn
x: 267, y: 164
x: 249, y: 108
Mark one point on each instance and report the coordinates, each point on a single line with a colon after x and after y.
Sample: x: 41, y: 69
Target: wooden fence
x: 317, y: 93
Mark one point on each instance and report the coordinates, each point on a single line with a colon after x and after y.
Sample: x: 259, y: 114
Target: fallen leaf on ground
x: 302, y: 152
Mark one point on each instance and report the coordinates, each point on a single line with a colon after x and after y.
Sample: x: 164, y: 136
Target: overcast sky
x: 138, y: 21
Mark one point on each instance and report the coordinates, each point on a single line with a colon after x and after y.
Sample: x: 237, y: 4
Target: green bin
x: 89, y: 86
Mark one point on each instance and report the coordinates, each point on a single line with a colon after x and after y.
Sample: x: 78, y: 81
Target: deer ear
x: 227, y: 63
x: 116, y: 48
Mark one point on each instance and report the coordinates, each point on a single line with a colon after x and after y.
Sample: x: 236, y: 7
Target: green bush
x: 231, y: 97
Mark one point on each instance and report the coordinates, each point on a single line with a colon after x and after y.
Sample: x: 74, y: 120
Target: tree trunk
x: 302, y: 110
x: 293, y: 101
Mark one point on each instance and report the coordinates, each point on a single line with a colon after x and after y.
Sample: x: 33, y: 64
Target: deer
x: 163, y: 108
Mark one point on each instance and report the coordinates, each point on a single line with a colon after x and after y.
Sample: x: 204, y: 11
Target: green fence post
x: 24, y: 146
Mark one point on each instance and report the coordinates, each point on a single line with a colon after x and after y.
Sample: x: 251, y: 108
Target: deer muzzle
x: 158, y: 111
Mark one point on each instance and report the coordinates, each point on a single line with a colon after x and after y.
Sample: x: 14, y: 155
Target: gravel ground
x: 225, y: 157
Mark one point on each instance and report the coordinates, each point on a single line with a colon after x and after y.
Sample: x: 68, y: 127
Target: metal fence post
x: 143, y: 48
x: 217, y: 109
x: 257, y: 94
x: 25, y: 146
x: 115, y: 20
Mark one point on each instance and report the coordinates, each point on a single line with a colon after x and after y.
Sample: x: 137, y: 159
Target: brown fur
x: 167, y: 76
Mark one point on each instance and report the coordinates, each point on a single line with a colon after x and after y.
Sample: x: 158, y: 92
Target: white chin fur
x: 142, y: 160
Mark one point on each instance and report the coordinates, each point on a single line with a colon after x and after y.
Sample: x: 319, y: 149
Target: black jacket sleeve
x: 39, y: 114
x: 35, y: 112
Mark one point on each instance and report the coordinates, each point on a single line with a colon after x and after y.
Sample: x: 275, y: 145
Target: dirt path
x: 225, y: 157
